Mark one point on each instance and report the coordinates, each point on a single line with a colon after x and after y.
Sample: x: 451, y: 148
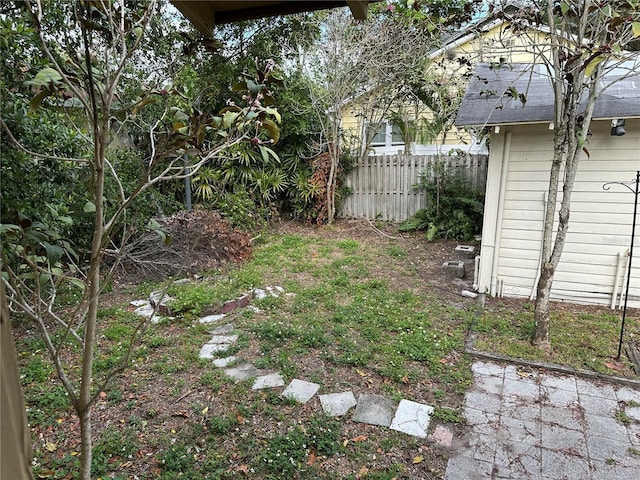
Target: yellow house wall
x: 496, y: 43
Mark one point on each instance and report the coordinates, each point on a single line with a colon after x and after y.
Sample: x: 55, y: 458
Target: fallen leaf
x: 362, y: 472
x: 181, y: 414
x: 205, y: 410
x: 361, y: 373
x: 244, y: 469
x: 613, y: 366
x: 359, y: 438
x: 240, y: 418
x: 103, y: 395
x: 312, y: 458
x: 46, y: 473
x: 418, y: 459
x: 405, y: 379
x: 51, y: 447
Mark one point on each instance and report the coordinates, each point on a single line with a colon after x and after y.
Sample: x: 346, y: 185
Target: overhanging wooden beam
x: 205, y: 14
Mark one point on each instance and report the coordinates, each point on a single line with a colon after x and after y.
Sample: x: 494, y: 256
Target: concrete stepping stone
x: 218, y: 339
x: 212, y: 318
x: 224, y: 362
x: 412, y: 418
x: 223, y: 329
x: 442, y: 436
x: 162, y: 301
x: 210, y: 350
x: 337, y: 404
x: 145, y: 310
x: 300, y: 390
x: 271, y: 380
x: 375, y: 410
x: 243, y: 372
x: 259, y: 293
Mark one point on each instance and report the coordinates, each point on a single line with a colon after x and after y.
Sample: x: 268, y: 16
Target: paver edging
x: 470, y: 349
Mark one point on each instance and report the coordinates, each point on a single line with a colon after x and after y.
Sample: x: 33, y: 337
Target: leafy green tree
x: 93, y: 53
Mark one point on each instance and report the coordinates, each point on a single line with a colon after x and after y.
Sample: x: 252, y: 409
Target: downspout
x: 506, y: 153
x: 616, y: 280
x: 545, y: 201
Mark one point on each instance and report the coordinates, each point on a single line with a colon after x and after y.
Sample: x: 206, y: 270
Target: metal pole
x: 626, y: 294
x: 187, y: 184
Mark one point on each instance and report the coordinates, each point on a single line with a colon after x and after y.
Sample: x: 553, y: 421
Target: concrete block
x: 455, y: 268
x: 375, y: 410
x: 243, y: 372
x: 223, y: 329
x: 466, y: 251
x: 337, y: 404
x: 271, y: 380
x: 224, y: 362
x: 412, y: 418
x: 212, y: 318
x: 300, y: 391
x: 161, y: 302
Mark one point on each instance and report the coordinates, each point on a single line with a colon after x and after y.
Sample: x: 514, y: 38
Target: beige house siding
x: 600, y: 222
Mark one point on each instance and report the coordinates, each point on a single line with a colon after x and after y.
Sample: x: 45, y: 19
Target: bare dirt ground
x: 176, y: 402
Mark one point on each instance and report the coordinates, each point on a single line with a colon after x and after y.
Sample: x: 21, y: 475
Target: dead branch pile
x: 199, y: 240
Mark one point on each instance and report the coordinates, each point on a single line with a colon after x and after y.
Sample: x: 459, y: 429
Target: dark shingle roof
x: 488, y: 101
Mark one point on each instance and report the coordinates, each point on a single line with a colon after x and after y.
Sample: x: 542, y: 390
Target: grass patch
x: 581, y: 338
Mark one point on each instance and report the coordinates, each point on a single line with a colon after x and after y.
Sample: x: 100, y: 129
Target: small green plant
x: 447, y: 414
x: 454, y: 206
x: 622, y: 417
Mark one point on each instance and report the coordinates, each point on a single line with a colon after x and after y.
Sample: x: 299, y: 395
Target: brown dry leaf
x: 417, y: 459
x: 613, y: 366
x: 103, y: 395
x: 361, y: 373
x: 312, y: 458
x: 405, y: 379
x: 244, y: 469
x: 46, y: 473
x: 359, y: 438
x: 363, y: 471
x: 181, y: 414
x: 240, y: 418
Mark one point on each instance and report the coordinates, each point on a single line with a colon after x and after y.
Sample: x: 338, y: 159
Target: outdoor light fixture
x: 617, y: 127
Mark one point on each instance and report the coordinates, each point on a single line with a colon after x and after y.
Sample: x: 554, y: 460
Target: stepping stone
x: 300, y: 391
x: 223, y: 329
x: 212, y: 318
x: 209, y: 350
x: 268, y: 381
x: 218, y: 339
x: 412, y: 418
x: 375, y: 410
x: 259, y: 293
x: 161, y: 301
x: 337, y: 404
x: 145, y: 310
x: 243, y: 372
x: 442, y: 436
x: 224, y: 362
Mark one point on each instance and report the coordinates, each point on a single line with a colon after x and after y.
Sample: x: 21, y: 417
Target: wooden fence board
x: 383, y: 186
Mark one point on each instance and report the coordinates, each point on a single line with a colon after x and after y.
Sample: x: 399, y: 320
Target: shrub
x: 454, y: 206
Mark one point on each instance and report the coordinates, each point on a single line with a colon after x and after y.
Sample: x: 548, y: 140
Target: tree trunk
x: 540, y: 336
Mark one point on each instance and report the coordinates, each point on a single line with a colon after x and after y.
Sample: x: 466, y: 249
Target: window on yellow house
x: 386, y: 135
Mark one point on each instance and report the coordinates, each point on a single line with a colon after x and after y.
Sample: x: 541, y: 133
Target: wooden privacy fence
x: 382, y: 186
